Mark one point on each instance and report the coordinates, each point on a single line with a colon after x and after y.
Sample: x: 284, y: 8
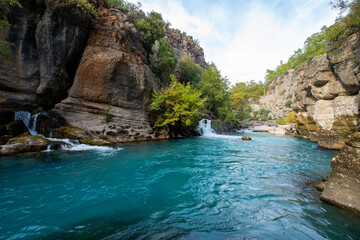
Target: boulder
x: 343, y: 184
x: 245, y: 138
x: 16, y: 128
x: 24, y: 143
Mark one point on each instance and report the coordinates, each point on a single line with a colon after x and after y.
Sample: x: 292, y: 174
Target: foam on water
x: 205, y: 130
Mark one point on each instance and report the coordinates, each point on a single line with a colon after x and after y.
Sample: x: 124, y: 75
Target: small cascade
x: 56, y: 143
x: 205, y: 129
x: 29, y: 121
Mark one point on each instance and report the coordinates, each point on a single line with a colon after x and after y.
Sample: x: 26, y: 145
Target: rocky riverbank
x: 325, y: 95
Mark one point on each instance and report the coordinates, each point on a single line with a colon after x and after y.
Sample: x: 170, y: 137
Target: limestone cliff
x: 183, y: 45
x: 324, y: 95
x: 113, y: 78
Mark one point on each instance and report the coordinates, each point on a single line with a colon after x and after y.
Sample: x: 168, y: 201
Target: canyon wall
x: 324, y: 95
x: 93, y: 76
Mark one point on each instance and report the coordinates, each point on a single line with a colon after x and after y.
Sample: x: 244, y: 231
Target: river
x: 216, y: 187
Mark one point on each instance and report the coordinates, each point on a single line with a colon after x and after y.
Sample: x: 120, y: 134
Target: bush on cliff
x: 347, y: 25
x: 289, y: 118
x: 314, y: 45
x: 133, y: 10
x: 163, y: 60
x: 177, y: 104
x: 151, y: 28
x: 86, y: 8
x: 189, y: 70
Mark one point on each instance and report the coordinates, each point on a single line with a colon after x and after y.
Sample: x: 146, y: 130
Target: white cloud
x: 256, y: 39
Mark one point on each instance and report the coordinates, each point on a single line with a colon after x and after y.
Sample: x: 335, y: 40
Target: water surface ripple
x: 193, y: 188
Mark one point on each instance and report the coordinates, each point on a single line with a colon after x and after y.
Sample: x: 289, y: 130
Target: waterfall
x: 205, y: 129
x: 56, y: 143
x: 28, y: 120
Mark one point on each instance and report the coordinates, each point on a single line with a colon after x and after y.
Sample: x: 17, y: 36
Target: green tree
x: 189, y: 70
x: 4, y: 45
x: 151, y: 28
x: 178, y: 104
x: 214, y: 87
x: 88, y: 9
x: 163, y: 60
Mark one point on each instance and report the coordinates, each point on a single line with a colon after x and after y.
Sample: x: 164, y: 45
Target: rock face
x: 50, y: 38
x: 113, y: 83
x: 343, y: 185
x: 183, y: 45
x: 324, y: 95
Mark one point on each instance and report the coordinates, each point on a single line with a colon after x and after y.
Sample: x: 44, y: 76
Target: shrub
x: 107, y: 116
x: 151, y: 28
x: 290, y: 96
x: 177, y: 104
x: 163, y: 60
x: 288, y: 104
x: 289, y: 118
x: 189, y: 70
x: 87, y: 8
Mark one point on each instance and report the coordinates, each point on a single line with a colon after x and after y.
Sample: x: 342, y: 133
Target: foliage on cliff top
x: 133, y: 10
x: 178, y: 103
x: 314, y: 45
x: 347, y: 25
x: 88, y: 9
x: 163, y: 60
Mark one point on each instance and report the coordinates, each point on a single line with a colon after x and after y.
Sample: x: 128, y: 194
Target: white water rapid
x: 67, y: 144
x: 205, y: 129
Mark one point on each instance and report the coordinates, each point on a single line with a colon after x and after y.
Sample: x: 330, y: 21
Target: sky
x: 245, y: 37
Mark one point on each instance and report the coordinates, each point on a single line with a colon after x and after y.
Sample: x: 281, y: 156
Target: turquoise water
x: 193, y: 188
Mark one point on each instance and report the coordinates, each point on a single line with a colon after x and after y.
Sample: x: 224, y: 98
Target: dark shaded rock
x: 45, y: 124
x: 245, y: 138
x: 6, y: 117
x: 50, y: 39
x: 16, y: 128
